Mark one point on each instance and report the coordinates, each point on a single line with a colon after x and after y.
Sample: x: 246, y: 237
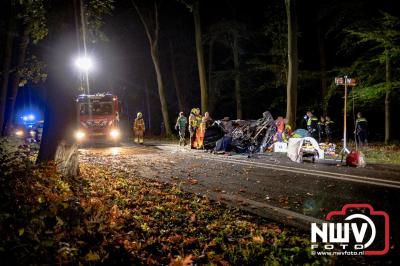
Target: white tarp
x: 294, y: 146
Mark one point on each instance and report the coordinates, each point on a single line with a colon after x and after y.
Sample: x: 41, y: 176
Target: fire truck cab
x: 98, y: 117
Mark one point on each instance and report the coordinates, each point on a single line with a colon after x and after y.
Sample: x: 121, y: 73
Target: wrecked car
x: 241, y: 136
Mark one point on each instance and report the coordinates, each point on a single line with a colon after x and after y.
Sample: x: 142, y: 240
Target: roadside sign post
x: 345, y: 81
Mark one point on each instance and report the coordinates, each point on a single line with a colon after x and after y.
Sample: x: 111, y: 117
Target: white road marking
x: 297, y: 170
x: 319, y: 171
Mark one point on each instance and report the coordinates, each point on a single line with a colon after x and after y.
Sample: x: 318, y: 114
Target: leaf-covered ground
x: 387, y: 154
x: 111, y: 217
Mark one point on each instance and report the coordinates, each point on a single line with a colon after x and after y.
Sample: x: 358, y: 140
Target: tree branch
x: 146, y: 27
x: 157, y: 26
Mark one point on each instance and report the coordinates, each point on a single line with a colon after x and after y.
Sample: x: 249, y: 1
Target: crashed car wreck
x: 241, y: 136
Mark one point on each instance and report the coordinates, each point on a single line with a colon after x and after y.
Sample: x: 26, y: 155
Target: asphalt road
x: 268, y: 185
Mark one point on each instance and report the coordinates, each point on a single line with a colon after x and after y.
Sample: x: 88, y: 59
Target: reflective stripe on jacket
x: 139, y: 124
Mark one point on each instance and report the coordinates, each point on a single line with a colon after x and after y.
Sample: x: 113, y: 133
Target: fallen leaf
x: 179, y: 261
x: 92, y: 256
x: 193, y: 181
x: 258, y: 239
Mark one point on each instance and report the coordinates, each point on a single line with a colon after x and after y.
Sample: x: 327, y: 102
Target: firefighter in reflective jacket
x: 361, y: 129
x: 194, y: 123
x: 138, y: 128
x: 312, y: 124
x: 200, y: 131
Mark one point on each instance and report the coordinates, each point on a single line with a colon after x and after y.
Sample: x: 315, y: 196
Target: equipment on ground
x: 280, y: 147
x: 304, y: 148
x: 356, y: 158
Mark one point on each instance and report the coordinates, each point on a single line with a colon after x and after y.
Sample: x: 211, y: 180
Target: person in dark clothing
x: 321, y: 129
x: 312, y: 125
x: 180, y: 125
x: 207, y: 119
x: 329, y: 129
x: 361, y: 130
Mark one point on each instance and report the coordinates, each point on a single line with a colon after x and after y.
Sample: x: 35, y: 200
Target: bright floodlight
x: 84, y: 63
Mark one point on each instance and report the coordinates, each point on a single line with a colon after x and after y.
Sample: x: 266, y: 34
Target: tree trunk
x: 212, y: 94
x: 161, y: 91
x: 60, y: 105
x: 6, y: 68
x: 152, y: 36
x: 387, y: 100
x: 148, y: 106
x: 200, y: 58
x: 322, y: 70
x: 23, y: 45
x: 179, y: 93
x: 291, y: 89
x: 238, y: 95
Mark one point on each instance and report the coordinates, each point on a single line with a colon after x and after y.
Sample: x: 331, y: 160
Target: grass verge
x: 388, y: 154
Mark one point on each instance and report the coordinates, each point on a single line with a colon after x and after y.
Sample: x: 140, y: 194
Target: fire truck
x: 98, y: 117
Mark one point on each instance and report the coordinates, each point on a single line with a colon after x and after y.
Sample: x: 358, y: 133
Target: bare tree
x: 238, y: 96
x: 6, y: 66
x: 177, y: 84
x: 22, y: 48
x: 152, y: 28
x: 200, y: 57
x: 291, y: 104
x: 194, y: 7
x: 322, y: 68
x: 213, y: 97
x: 230, y: 34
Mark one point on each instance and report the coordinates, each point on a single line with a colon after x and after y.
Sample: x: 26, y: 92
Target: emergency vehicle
x: 98, y: 117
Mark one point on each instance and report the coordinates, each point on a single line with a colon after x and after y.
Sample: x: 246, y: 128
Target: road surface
x: 268, y: 185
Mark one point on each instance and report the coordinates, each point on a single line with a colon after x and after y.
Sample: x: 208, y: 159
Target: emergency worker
x: 180, y: 125
x: 139, y: 128
x: 361, y: 130
x: 193, y: 125
x: 312, y: 124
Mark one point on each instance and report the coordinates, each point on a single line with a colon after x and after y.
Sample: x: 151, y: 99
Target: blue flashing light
x: 28, y: 119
